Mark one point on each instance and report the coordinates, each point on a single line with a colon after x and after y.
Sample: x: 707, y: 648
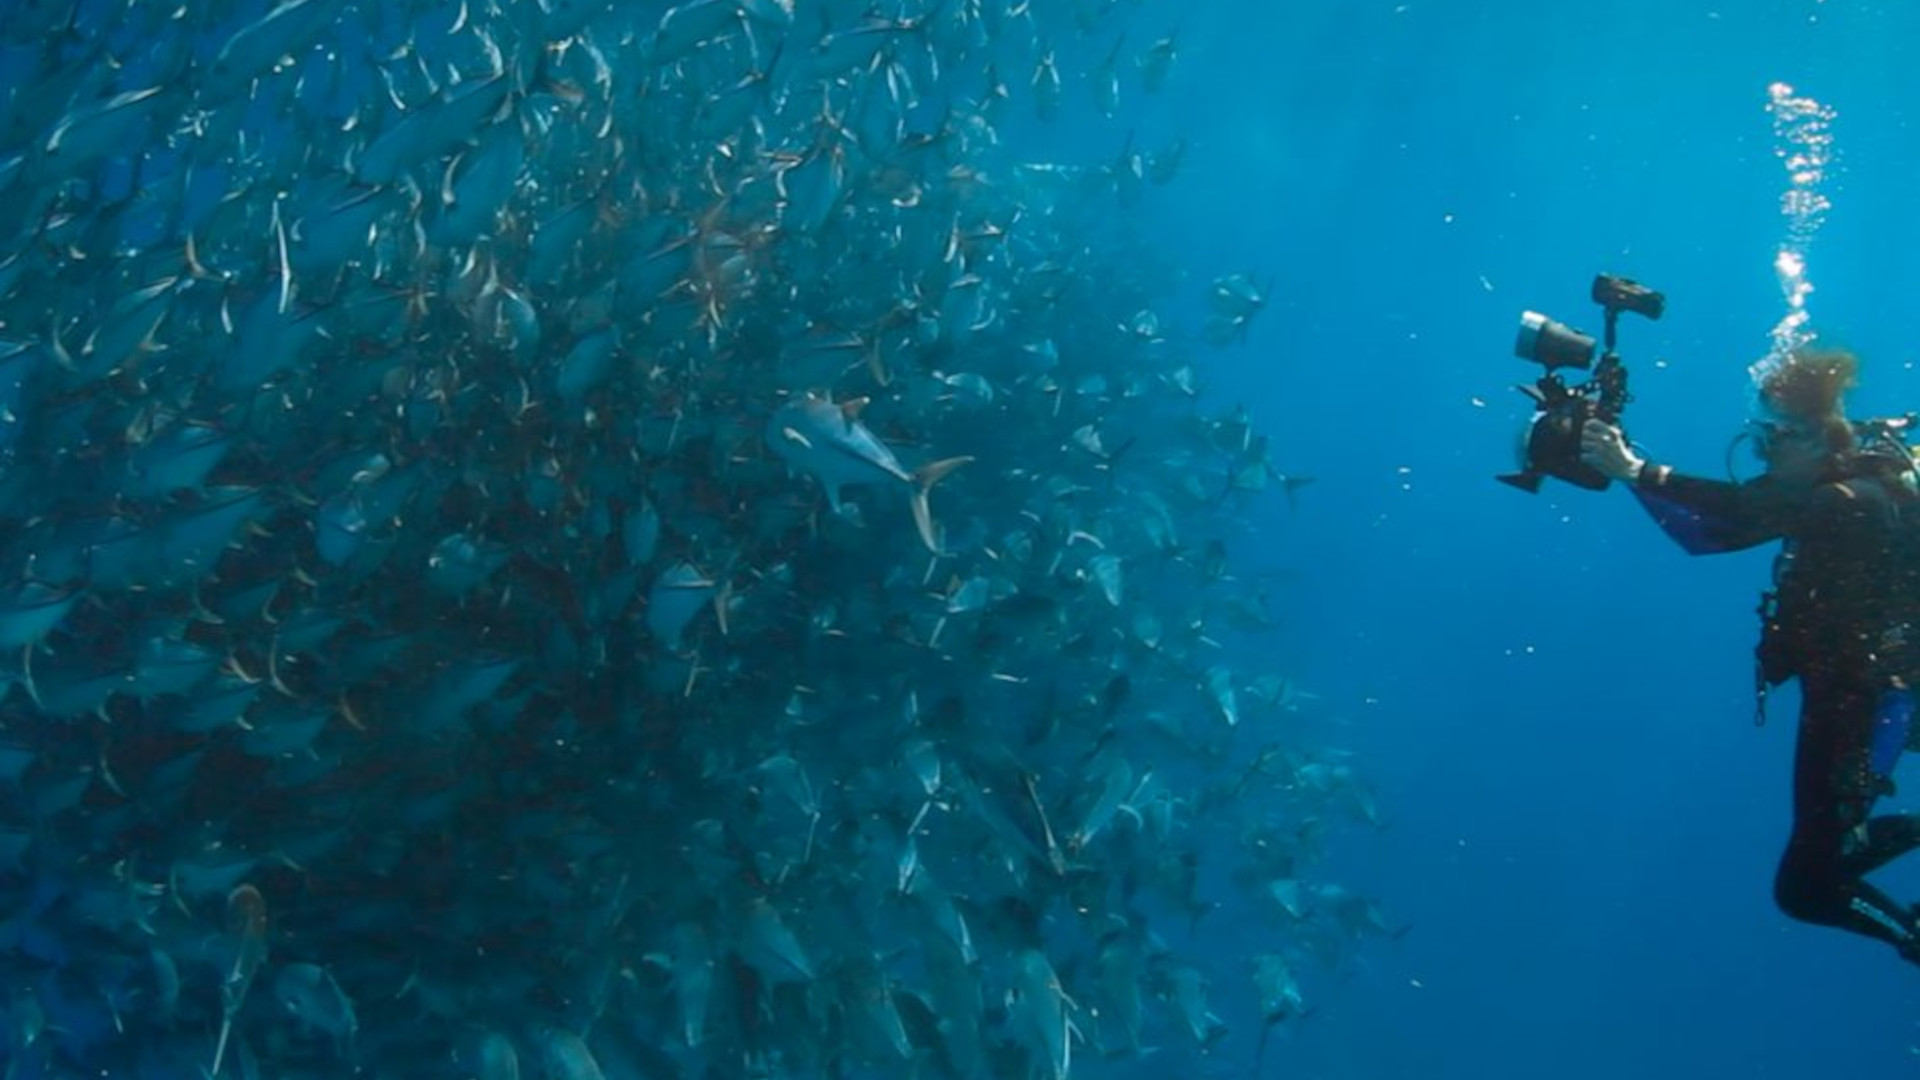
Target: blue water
x: 1553, y: 699
x: 1550, y: 703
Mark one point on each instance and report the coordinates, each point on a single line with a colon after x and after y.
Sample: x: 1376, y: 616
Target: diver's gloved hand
x: 1603, y: 448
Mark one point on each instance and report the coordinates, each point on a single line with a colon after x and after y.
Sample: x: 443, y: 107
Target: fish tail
x: 934, y: 472
x: 924, y: 478
x: 1292, y: 484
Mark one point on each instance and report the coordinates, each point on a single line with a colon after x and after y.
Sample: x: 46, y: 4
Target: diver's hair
x: 1807, y: 385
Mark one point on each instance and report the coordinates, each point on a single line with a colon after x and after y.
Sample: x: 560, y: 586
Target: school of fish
x: 586, y: 538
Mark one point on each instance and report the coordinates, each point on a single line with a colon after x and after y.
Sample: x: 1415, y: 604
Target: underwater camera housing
x: 1551, y: 443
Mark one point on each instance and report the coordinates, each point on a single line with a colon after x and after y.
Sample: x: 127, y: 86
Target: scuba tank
x: 1883, y: 452
x: 1892, y: 719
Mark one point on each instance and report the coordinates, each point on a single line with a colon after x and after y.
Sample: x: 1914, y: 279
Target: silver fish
x: 828, y: 442
x: 309, y: 994
x: 678, y: 594
x: 432, y: 129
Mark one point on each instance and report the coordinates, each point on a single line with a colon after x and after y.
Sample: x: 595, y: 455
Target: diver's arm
x: 1701, y: 515
x: 1708, y: 516
x: 1859, y: 511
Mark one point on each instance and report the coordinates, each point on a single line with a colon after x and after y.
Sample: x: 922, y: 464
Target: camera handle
x: 1610, y: 375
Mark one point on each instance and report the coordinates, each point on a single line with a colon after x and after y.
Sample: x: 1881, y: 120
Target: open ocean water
x: 1554, y: 700
x: 934, y: 538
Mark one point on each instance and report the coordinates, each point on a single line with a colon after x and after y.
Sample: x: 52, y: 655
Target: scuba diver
x: 1841, y: 496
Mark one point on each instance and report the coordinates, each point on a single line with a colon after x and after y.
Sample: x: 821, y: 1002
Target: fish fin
x: 1290, y: 485
x: 923, y: 520
x: 794, y: 436
x: 852, y: 407
x: 933, y: 472
x: 26, y: 675
x: 925, y: 477
x: 195, y: 269
x: 877, y: 365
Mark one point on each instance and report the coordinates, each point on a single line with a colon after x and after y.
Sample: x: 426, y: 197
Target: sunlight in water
x: 1804, y: 143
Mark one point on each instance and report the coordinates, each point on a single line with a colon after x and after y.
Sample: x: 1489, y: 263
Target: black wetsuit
x: 1837, y: 622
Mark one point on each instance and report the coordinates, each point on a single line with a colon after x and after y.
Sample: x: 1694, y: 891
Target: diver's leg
x: 1886, y: 838
x: 1818, y: 879
x: 1811, y: 886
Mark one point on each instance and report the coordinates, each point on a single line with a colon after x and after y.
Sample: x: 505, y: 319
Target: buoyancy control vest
x: 1878, y: 628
